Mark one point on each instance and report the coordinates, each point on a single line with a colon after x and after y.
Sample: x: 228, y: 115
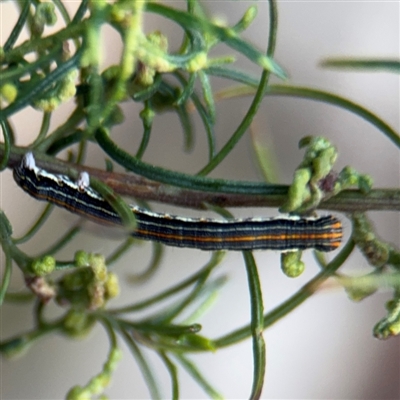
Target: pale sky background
x: 323, y: 350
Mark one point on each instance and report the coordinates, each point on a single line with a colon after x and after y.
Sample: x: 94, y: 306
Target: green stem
x: 7, y: 144
x: 36, y: 226
x: 215, y: 260
x: 48, y: 42
x: 173, y: 373
x: 146, y: 370
x: 293, y: 302
x: 6, y: 276
x: 178, y: 178
x: 41, y: 87
x: 256, y: 325
x: 8, y: 45
x: 198, y: 377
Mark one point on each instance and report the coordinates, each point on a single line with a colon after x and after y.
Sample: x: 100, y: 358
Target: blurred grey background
x: 323, y: 350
